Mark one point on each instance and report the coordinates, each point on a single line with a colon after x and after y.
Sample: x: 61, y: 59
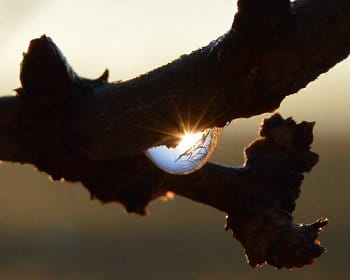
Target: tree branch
x: 241, y: 74
x: 96, y: 132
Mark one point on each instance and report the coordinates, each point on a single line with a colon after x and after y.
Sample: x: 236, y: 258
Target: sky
x: 129, y: 37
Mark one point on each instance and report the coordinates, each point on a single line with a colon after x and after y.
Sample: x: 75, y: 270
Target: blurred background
x: 53, y: 231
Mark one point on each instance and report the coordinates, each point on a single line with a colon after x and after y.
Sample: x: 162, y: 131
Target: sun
x: 188, y: 140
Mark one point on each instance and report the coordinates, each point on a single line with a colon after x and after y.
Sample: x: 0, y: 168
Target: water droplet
x: 192, y: 152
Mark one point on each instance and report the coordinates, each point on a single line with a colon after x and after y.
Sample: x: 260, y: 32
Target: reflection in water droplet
x: 192, y: 152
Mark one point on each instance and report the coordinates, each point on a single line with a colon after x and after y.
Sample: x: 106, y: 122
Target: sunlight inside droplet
x: 191, y: 153
x: 188, y: 140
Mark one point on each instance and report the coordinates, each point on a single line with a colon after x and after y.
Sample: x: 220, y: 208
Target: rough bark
x: 96, y: 132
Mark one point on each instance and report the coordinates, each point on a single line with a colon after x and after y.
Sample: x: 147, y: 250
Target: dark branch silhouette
x: 96, y: 132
